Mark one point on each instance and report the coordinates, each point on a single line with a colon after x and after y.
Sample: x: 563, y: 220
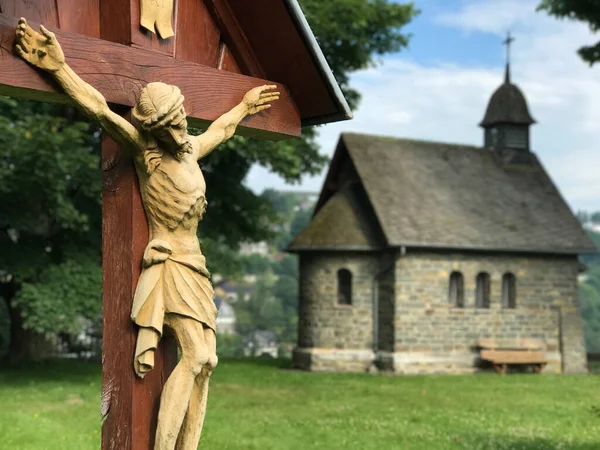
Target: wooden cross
x: 508, y: 41
x: 220, y: 50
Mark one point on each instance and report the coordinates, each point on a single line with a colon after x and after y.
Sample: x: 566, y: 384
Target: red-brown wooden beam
x: 120, y: 72
x: 233, y: 35
x: 129, y: 404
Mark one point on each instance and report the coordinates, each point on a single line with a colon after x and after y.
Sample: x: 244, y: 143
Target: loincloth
x: 169, y: 284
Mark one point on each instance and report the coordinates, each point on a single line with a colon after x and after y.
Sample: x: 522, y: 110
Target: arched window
x: 482, y: 291
x: 509, y: 291
x: 344, y: 287
x: 457, y: 290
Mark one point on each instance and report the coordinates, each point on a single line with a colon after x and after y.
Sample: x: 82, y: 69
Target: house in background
x: 255, y: 248
x: 419, y: 250
x: 260, y: 343
x: 226, y: 318
x: 233, y: 291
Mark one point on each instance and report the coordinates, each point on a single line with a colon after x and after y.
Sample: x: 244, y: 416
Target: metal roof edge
x: 322, y: 64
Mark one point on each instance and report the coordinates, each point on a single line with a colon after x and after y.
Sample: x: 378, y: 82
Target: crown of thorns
x: 146, y: 111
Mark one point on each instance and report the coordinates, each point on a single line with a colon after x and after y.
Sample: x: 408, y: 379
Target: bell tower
x: 507, y: 119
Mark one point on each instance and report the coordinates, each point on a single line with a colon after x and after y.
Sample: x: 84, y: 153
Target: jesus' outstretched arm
x: 42, y: 50
x: 222, y: 129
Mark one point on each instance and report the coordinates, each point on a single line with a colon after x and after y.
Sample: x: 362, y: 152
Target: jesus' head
x: 160, y: 112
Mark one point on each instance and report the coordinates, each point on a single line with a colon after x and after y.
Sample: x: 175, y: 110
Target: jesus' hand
x: 259, y: 98
x: 41, y: 50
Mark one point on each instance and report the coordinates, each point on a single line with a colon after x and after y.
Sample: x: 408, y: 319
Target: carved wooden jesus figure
x: 174, y: 289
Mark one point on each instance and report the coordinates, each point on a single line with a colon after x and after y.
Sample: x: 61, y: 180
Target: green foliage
x: 229, y: 345
x: 589, y: 296
x: 262, y: 312
x: 353, y: 33
x: 256, y: 264
x: 583, y: 10
x: 274, y: 303
x: 595, y: 238
x: 282, y: 202
x: 50, y: 182
x: 234, y: 212
x: 50, y: 227
x: 300, y: 221
x: 285, y: 291
x: 60, y: 294
x: 4, y: 329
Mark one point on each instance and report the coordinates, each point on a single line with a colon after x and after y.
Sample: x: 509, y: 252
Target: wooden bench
x: 525, y: 352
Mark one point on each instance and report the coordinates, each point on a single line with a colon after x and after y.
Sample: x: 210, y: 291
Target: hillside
x: 589, y: 297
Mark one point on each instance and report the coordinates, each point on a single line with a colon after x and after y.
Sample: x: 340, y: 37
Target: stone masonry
x: 417, y: 329
x: 335, y: 337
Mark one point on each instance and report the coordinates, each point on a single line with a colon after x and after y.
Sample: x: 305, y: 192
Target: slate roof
x: 507, y: 106
x: 338, y: 225
x: 437, y: 195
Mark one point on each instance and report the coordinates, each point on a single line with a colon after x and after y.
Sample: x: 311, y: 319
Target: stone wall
x: 417, y: 329
x: 386, y: 301
x: 331, y: 336
x: 432, y: 335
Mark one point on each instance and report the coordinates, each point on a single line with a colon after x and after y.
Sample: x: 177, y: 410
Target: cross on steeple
x: 508, y: 41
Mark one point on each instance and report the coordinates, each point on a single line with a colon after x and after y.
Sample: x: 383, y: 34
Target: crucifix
x: 508, y: 41
x: 222, y: 70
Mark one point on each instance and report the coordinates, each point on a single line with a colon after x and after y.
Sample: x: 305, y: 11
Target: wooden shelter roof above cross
x: 220, y: 49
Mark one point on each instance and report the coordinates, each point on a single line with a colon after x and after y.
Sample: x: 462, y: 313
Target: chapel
x: 418, y: 251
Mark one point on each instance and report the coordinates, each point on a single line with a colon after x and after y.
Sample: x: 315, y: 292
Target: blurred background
x: 421, y: 71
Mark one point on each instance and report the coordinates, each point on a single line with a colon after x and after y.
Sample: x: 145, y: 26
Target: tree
x: 261, y: 312
x: 352, y: 34
x: 256, y: 264
x: 582, y: 10
x: 50, y: 182
x: 50, y: 225
x: 589, y: 297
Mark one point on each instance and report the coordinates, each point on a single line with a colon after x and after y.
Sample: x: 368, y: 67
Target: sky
x: 439, y: 87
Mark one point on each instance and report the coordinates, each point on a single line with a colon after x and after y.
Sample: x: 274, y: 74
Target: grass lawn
x: 258, y: 406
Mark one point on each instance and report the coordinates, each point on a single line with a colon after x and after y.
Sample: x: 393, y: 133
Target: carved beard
x: 182, y: 150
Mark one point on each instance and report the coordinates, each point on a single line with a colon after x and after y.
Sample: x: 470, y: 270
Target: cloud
x: 446, y: 101
x: 490, y: 16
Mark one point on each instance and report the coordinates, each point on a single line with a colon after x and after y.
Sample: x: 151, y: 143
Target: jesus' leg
x: 175, y: 398
x: 189, y: 436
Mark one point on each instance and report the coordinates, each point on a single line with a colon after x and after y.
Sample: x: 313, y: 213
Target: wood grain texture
x: 513, y: 356
x: 125, y: 235
x: 115, y: 21
x: 142, y: 38
x: 120, y: 72
x: 283, y: 54
x: 81, y: 16
x: 233, y: 35
x: 227, y: 61
x: 121, y: 21
x: 43, y: 11
x: 130, y: 405
x: 197, y: 35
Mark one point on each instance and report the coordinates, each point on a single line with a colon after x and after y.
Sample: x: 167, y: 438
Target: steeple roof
x: 507, y: 105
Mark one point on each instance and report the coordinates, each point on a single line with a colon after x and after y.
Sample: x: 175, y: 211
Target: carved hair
x: 157, y: 106
x: 159, y: 103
